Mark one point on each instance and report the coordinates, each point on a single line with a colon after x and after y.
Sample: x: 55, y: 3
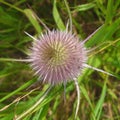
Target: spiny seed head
x: 57, y: 56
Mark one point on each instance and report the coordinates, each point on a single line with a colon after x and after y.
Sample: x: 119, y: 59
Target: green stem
x: 14, y: 60
x: 12, y: 6
x: 78, y: 97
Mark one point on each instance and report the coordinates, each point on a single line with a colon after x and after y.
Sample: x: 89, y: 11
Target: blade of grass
x: 104, y: 34
x: 108, y: 45
x: 84, y: 7
x: 35, y: 105
x: 17, y: 90
x: 10, y: 5
x: 57, y: 17
x: 40, y: 115
x: 98, y: 108
x: 30, y: 15
x: 84, y: 92
x: 109, y: 12
x: 69, y: 13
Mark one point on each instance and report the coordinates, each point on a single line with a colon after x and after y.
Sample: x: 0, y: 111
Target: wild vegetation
x: 19, y: 88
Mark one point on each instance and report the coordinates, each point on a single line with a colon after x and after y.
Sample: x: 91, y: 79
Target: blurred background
x: 19, y: 88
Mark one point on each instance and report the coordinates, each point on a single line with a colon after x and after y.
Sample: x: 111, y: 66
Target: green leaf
x: 84, y: 7
x: 57, y: 17
x: 98, y: 108
x: 17, y: 90
x: 30, y: 15
x: 40, y: 114
x: 104, y: 33
x: 110, y: 13
x: 84, y: 92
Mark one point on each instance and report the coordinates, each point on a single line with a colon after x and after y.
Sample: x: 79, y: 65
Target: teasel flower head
x: 57, y: 56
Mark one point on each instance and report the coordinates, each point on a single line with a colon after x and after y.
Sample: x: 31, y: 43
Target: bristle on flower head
x: 57, y: 56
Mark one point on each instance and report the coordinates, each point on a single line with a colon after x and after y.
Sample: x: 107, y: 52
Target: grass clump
x: 19, y: 90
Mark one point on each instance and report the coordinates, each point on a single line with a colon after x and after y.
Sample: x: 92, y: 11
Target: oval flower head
x: 57, y: 56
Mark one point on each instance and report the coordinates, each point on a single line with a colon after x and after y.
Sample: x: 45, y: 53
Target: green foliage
x: 33, y: 20
x: 19, y: 90
x: 57, y: 17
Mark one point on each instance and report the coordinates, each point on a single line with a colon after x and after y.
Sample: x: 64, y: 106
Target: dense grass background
x: 19, y: 91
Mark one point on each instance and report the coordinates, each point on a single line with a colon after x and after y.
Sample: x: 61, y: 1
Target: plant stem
x: 78, y: 97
